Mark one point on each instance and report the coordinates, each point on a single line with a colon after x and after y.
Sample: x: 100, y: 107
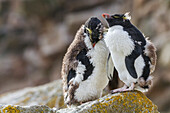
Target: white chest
x: 98, y: 59
x: 118, y: 40
x: 98, y: 56
x: 120, y: 45
x: 94, y: 85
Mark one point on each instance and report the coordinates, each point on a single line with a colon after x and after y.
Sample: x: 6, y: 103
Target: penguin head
x: 117, y: 19
x: 94, y: 29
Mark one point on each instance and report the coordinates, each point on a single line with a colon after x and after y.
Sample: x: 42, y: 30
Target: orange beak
x: 94, y: 44
x: 105, y: 15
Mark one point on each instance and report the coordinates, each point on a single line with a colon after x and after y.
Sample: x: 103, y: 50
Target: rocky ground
x: 48, y: 98
x: 49, y: 94
x: 34, y: 36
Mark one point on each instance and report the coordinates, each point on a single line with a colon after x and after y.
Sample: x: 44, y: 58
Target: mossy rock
x: 125, y: 102
x: 48, y: 98
x: 26, y: 109
x: 50, y: 94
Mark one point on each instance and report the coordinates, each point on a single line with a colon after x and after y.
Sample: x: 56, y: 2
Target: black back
x: 135, y: 34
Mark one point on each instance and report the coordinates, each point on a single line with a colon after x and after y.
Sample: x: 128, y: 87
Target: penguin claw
x: 113, y: 91
x: 122, y: 89
x: 117, y: 91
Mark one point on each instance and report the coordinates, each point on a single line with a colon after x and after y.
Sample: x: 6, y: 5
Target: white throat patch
x: 87, y: 41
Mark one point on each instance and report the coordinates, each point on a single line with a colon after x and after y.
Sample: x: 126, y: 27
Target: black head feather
x: 117, y: 19
x: 96, y: 28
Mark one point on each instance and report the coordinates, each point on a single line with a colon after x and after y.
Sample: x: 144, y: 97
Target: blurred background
x: 35, y: 34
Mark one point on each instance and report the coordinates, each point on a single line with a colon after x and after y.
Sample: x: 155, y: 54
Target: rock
x: 32, y: 44
x: 12, y: 65
x: 163, y: 46
x: 49, y: 94
x: 26, y: 109
x: 165, y: 55
x: 83, y: 4
x: 75, y: 19
x: 161, y: 40
x: 34, y: 58
x: 120, y: 102
x: 54, y: 40
x: 117, y: 103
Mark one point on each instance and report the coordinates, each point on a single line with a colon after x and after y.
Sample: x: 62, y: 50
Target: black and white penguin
x: 133, y: 55
x: 84, y: 65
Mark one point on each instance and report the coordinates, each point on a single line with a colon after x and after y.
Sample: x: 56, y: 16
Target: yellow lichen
x: 61, y: 103
x: 126, y: 101
x: 10, y: 109
x: 123, y: 102
x: 23, y: 101
x: 52, y: 102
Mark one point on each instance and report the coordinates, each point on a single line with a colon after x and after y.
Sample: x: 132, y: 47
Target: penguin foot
x: 132, y: 86
x: 119, y: 89
x: 124, y: 88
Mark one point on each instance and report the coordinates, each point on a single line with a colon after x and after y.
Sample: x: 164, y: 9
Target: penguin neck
x: 88, y: 42
x: 125, y: 24
x: 116, y: 27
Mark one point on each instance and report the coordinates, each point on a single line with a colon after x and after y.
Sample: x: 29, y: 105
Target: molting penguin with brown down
x: 84, y: 65
x: 133, y: 55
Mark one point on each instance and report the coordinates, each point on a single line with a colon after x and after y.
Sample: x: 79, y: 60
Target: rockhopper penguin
x: 133, y: 55
x: 84, y: 65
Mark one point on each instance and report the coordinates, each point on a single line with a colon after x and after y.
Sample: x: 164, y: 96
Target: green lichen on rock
x: 117, y: 103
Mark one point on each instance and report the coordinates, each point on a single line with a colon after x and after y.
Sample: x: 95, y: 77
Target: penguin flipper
x: 129, y: 61
x: 110, y: 67
x: 113, y: 84
x: 85, y: 61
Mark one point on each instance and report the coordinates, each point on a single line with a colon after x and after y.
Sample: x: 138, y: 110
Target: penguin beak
x: 93, y: 44
x: 105, y: 15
